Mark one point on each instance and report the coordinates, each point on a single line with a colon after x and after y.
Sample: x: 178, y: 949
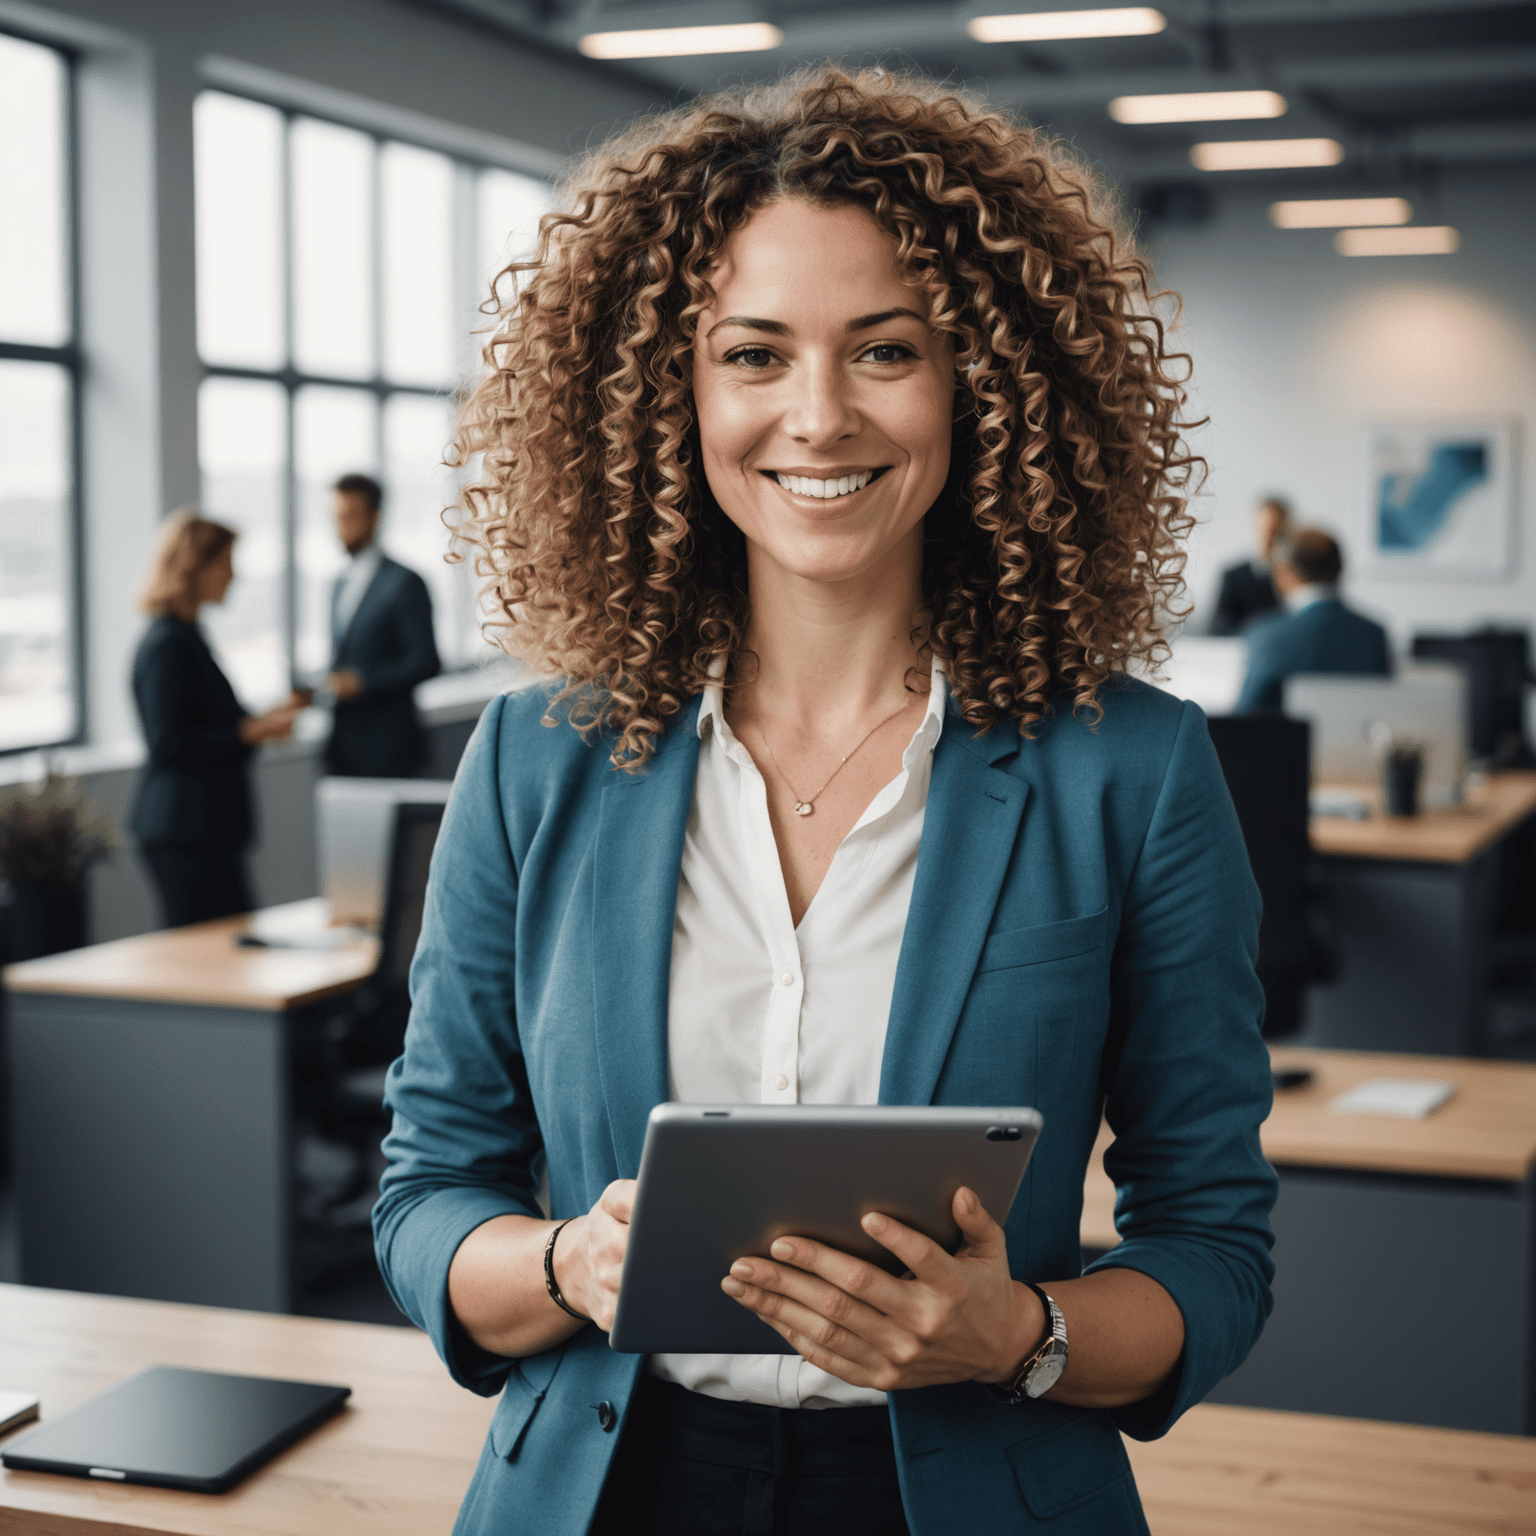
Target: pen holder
x: 1402, y: 769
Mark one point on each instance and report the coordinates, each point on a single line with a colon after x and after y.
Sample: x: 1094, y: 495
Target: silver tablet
x: 719, y: 1182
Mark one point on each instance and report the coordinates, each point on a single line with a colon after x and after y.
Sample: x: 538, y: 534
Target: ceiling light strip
x: 678, y: 42
x: 1265, y: 154
x: 1056, y: 26
x: 1337, y: 212
x: 1197, y: 107
x: 1422, y: 240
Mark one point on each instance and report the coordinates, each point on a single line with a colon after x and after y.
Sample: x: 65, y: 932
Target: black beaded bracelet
x: 550, y: 1283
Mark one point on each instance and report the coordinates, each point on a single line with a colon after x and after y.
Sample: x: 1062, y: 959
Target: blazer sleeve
x: 168, y: 684
x: 411, y: 614
x: 1188, y: 1081
x: 464, y: 1144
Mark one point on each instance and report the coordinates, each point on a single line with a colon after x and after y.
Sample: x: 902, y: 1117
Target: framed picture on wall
x: 1440, y: 498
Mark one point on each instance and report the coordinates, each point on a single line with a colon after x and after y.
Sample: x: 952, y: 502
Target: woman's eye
x: 752, y: 357
x: 888, y: 352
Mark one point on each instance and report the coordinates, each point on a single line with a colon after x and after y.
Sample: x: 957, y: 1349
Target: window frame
x: 68, y: 356
x: 292, y: 379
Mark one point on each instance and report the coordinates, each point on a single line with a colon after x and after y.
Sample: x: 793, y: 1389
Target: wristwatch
x: 1041, y: 1370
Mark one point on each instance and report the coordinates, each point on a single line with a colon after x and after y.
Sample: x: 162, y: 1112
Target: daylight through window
x: 39, y: 376
x: 338, y: 279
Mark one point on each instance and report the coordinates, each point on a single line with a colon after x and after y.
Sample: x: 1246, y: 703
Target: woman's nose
x: 821, y: 411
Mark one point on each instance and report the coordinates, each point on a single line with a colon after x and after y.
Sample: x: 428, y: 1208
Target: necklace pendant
x: 803, y: 807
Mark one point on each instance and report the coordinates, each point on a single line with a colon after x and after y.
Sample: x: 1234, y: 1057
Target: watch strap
x: 1054, y: 1340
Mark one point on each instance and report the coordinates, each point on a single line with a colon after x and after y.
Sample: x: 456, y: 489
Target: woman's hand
x: 960, y: 1318
x: 589, y: 1254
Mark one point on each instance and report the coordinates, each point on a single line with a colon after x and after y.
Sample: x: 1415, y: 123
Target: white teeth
x: 825, y: 490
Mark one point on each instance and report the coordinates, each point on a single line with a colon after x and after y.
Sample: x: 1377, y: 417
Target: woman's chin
x: 833, y: 560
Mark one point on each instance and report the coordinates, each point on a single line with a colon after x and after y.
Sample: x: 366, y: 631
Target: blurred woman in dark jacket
x: 192, y: 813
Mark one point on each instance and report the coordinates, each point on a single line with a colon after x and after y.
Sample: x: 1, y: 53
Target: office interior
x: 253, y: 242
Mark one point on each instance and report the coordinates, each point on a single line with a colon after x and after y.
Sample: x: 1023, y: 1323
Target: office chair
x: 344, y: 1088
x: 1266, y: 761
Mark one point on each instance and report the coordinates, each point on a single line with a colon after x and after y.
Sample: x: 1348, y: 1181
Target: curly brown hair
x: 1052, y: 558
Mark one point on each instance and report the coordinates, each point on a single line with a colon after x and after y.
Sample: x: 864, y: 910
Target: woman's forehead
x: 795, y: 260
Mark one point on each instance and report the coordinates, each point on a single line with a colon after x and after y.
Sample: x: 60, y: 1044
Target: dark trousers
x: 691, y: 1465
x: 197, y: 883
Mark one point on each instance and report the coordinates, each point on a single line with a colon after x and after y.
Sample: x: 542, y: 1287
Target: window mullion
x: 78, y: 638
x: 291, y: 478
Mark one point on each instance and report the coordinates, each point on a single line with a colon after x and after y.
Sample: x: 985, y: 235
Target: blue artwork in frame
x: 1441, y: 498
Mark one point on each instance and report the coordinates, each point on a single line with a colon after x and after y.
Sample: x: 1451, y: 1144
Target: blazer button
x: 605, y: 1415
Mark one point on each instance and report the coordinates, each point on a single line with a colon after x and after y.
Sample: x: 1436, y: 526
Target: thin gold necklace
x: 805, y: 804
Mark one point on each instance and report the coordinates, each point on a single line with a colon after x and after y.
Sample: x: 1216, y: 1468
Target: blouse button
x: 787, y: 979
x: 781, y: 1082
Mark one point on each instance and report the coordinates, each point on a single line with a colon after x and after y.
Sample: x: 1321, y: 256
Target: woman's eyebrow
x: 864, y: 322
x: 779, y: 328
x: 747, y: 322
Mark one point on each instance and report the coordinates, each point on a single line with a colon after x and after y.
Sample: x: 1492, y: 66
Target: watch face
x: 1046, y: 1374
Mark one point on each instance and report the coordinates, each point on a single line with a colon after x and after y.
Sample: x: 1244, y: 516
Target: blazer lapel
x: 969, y: 827
x: 642, y: 822
x: 372, y: 590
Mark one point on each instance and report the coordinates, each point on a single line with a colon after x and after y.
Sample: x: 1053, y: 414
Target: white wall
x: 1295, y: 347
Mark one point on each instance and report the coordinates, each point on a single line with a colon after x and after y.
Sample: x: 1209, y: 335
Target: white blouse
x: 761, y: 1011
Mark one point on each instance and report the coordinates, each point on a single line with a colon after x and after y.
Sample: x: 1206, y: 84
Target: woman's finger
x: 788, y: 1315
x: 926, y: 1260
x: 854, y: 1277
x: 818, y: 1298
x: 618, y: 1200
x: 881, y: 1376
x: 980, y: 1231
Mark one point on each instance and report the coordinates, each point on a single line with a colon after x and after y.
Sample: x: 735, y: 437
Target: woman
x: 831, y: 463
x: 192, y: 813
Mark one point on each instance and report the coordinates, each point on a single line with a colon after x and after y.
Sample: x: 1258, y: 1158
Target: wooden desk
x: 151, y: 1089
x: 1381, y: 1226
x: 1245, y: 1472
x: 1411, y: 902
x: 202, y: 965
x: 396, y: 1462
x: 1450, y: 836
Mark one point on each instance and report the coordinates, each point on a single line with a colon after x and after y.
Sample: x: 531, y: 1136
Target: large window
x: 39, y: 371
x: 338, y: 279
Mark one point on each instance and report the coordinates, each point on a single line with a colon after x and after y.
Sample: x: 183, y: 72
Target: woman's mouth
x: 829, y: 488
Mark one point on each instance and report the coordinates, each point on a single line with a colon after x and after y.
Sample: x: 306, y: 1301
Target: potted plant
x: 49, y: 836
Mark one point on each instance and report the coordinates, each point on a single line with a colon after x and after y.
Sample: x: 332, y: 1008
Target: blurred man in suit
x: 1247, y: 589
x: 1317, y: 633
x: 381, y: 625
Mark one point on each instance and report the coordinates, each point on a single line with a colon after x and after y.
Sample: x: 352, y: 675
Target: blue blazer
x: 1324, y: 636
x: 391, y: 644
x: 1081, y: 937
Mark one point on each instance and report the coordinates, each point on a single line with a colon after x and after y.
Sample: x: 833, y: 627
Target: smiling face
x: 823, y: 397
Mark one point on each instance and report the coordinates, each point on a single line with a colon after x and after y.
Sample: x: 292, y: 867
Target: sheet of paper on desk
x: 1407, y: 1098
x: 322, y: 938
x: 16, y: 1408
x: 282, y: 929
x: 1348, y: 803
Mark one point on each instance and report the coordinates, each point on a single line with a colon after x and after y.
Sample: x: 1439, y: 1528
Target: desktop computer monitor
x: 354, y: 820
x: 1350, y: 715
x: 1208, y: 670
